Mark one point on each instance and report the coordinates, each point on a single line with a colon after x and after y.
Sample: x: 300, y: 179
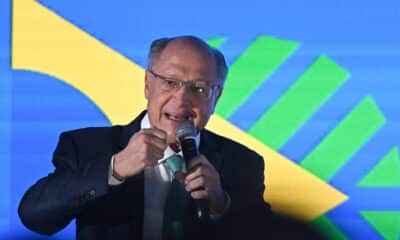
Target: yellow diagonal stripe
x: 42, y: 41
x: 46, y: 43
x: 289, y: 188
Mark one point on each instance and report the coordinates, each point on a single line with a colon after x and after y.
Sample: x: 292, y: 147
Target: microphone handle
x: 189, y: 149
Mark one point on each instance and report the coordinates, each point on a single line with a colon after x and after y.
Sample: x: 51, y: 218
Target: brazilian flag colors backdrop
x: 313, y: 86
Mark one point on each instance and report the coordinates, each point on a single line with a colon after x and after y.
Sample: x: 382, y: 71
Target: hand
x: 203, y: 182
x: 144, y: 149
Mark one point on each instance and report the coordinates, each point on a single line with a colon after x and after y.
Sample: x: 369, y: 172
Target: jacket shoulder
x: 92, y: 135
x: 88, y: 131
x: 227, y: 144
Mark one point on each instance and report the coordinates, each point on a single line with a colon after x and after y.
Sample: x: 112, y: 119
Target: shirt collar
x: 168, y: 151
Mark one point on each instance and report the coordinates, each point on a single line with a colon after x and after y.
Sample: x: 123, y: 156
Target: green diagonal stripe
x: 255, y: 65
x: 345, y: 140
x: 297, y: 105
x: 216, y: 42
x: 387, y: 223
x: 386, y: 173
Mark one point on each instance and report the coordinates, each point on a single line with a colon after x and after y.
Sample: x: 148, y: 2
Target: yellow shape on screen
x: 290, y: 189
x: 44, y: 42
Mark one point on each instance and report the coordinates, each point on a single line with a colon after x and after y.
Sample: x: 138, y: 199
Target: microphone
x: 186, y: 135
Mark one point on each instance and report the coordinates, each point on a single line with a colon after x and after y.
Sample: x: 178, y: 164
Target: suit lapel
x: 129, y: 130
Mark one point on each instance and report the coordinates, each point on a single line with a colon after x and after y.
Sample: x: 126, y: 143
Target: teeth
x: 176, y: 118
x: 173, y: 117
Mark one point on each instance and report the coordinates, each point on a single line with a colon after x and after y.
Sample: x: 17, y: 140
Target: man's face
x: 169, y: 109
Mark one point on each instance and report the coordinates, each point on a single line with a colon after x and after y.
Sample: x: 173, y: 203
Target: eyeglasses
x: 200, y: 90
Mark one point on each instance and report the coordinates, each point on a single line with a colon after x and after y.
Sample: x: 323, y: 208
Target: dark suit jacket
x: 78, y: 188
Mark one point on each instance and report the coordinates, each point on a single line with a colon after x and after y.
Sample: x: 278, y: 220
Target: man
x: 113, y: 180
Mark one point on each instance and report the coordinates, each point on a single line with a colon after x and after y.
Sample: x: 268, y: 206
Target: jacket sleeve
x: 52, y: 202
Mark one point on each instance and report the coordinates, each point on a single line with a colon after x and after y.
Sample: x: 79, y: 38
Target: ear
x: 146, y: 84
x: 219, y: 93
x: 216, y: 98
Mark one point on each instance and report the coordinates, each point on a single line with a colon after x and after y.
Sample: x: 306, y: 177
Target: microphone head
x: 185, y: 130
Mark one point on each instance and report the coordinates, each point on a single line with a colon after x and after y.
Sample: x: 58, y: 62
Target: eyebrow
x: 199, y: 80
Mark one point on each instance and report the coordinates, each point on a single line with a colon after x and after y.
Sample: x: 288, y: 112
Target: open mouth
x: 179, y: 118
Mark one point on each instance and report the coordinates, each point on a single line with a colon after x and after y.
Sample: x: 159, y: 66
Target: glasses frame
x: 178, y: 84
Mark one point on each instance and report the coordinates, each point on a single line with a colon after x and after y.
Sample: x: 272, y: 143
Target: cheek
x: 203, y: 113
x: 155, y: 104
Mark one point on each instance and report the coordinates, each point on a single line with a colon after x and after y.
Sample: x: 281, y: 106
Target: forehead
x: 187, y: 58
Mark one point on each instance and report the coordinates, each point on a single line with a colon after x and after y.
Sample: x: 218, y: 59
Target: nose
x: 183, y: 94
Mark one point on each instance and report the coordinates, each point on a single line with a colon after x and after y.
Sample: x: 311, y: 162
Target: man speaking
x: 138, y: 181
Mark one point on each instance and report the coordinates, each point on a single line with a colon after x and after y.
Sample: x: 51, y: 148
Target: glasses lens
x: 169, y: 84
x: 200, y: 90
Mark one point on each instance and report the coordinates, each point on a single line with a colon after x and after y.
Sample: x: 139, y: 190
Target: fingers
x: 154, y: 137
x: 195, y: 184
x: 203, y: 182
x: 197, y: 170
x: 198, y: 161
x: 151, y: 143
x: 200, y: 194
x: 144, y: 149
x: 155, y: 132
x: 202, y: 179
x: 197, y: 188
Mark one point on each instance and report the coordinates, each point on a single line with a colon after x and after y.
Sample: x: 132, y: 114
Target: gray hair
x: 158, y: 45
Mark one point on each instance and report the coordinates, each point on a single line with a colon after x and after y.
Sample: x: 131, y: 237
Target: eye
x: 200, y: 89
x: 170, y: 82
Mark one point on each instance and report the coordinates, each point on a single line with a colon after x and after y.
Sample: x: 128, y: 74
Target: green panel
x: 216, y: 42
x: 387, y: 223
x: 328, y: 229
x: 300, y: 101
x: 346, y: 139
x: 255, y: 65
x: 386, y: 173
